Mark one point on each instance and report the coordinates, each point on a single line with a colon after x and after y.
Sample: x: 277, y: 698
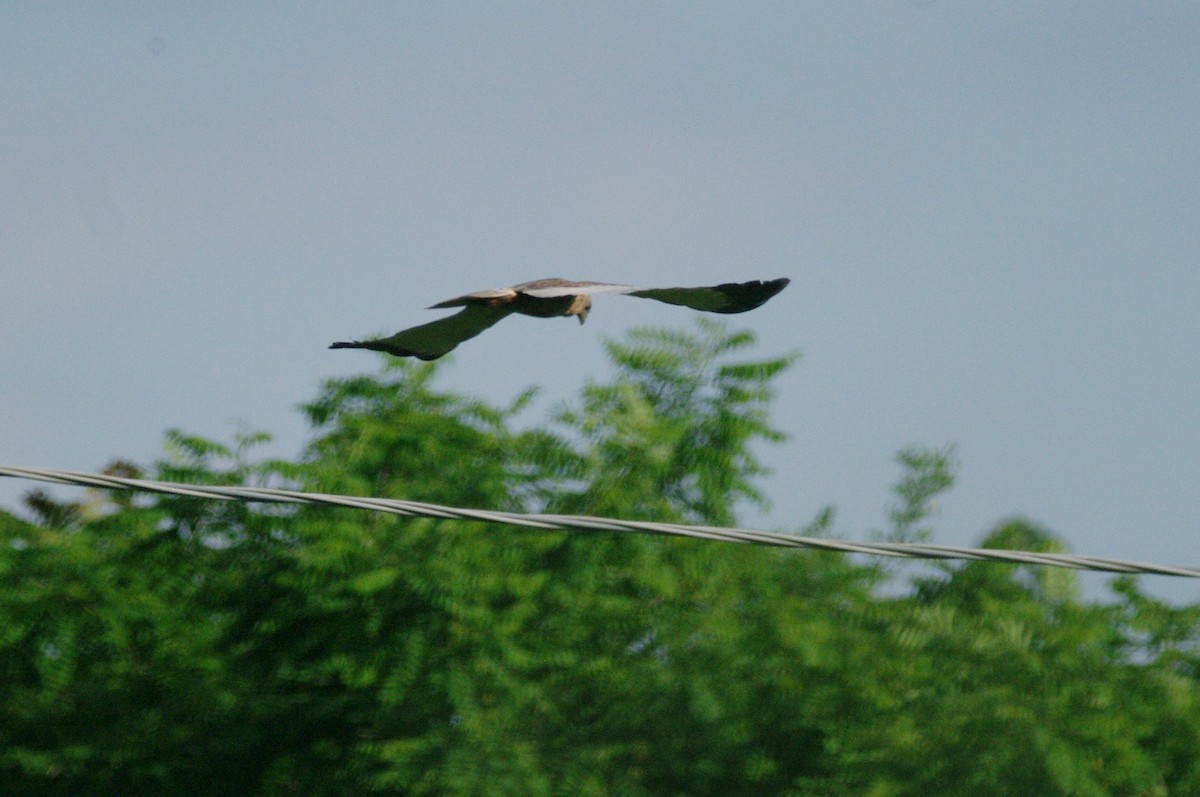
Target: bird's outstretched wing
x: 728, y: 297
x: 432, y: 340
x: 491, y: 296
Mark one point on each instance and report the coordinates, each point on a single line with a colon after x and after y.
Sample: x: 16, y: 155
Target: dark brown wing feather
x: 432, y: 340
x: 728, y: 297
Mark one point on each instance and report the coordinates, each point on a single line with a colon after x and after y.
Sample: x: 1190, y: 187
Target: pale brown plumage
x: 548, y: 298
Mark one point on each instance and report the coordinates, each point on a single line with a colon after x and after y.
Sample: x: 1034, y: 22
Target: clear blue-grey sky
x: 990, y: 214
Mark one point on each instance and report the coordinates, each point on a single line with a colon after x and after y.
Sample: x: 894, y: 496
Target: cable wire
x: 586, y: 523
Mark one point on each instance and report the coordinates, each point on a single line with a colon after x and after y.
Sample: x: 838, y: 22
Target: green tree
x: 165, y: 645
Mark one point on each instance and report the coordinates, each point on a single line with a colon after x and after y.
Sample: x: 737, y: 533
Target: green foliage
x: 670, y: 437
x: 927, y: 474
x: 176, y: 645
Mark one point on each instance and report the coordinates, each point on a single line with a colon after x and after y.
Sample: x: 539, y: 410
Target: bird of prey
x: 547, y: 298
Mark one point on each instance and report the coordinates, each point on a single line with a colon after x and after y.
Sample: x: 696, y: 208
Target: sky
x: 990, y: 215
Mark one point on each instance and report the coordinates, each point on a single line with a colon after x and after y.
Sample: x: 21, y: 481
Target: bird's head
x: 580, y: 307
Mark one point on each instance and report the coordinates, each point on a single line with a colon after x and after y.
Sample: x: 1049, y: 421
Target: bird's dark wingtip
x: 769, y: 288
x: 386, y: 348
x: 743, y: 296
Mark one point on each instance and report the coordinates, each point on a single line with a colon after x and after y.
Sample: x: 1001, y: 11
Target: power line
x: 586, y: 523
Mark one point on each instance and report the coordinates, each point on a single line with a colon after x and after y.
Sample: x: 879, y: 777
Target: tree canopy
x: 172, y: 645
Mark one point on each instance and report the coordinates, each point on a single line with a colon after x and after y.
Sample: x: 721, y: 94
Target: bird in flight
x: 548, y: 298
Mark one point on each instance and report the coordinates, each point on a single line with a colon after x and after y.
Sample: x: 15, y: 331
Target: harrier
x: 549, y: 298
